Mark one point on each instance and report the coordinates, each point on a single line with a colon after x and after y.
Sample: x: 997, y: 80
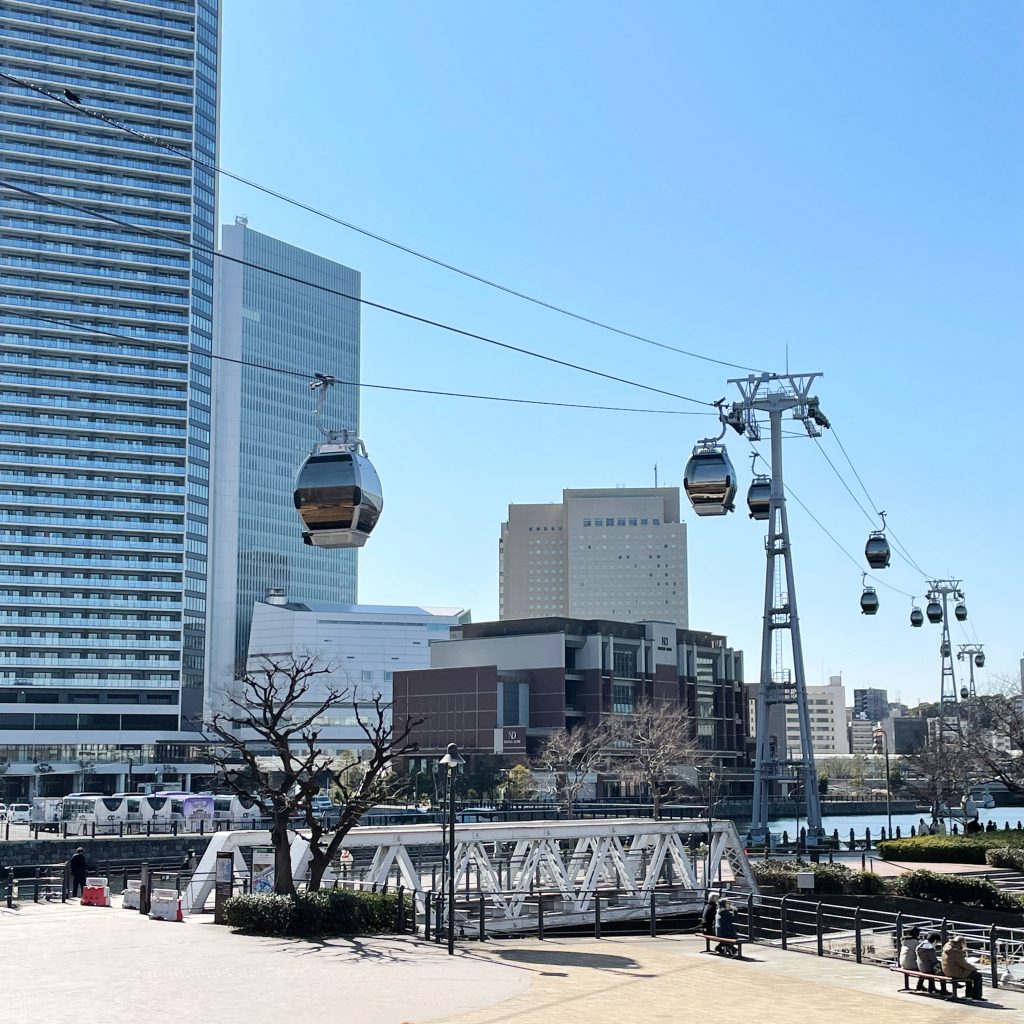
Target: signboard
x: 262, y: 869
x: 513, y: 739
x: 222, y: 876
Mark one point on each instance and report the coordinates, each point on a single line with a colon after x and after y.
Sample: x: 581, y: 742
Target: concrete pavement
x: 64, y: 964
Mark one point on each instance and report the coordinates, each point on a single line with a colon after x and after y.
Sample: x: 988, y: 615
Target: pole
x: 451, y: 860
x: 888, y: 787
x: 707, y: 866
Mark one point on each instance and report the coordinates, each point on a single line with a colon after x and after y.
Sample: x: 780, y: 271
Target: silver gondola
x: 759, y: 497
x: 337, y: 491
x: 709, y: 479
x: 934, y: 611
x: 876, y: 550
x: 916, y: 616
x: 979, y: 659
x: 960, y: 611
x: 869, y: 601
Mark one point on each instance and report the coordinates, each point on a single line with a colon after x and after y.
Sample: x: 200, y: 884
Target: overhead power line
x: 189, y: 154
x: 309, y: 374
x: 472, y: 335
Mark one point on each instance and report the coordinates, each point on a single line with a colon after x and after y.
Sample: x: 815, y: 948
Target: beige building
x: 612, y: 554
x: 826, y: 706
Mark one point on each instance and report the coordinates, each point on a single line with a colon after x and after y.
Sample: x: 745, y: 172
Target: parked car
x: 19, y: 813
x: 3, y: 812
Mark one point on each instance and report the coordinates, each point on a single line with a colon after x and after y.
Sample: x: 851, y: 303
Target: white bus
x: 80, y: 814
x: 191, y: 811
x: 236, y: 811
x: 152, y: 810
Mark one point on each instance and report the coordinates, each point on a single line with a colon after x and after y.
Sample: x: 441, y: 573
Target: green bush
x: 969, y: 892
x: 328, y: 912
x: 949, y: 849
x: 1005, y: 857
x: 829, y: 879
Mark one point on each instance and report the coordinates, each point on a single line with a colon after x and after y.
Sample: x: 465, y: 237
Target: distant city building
x: 906, y: 735
x: 501, y: 687
x: 873, y: 703
x: 106, y: 333
x: 364, y: 645
x: 861, y: 732
x: 615, y: 554
x: 826, y: 707
x: 264, y: 426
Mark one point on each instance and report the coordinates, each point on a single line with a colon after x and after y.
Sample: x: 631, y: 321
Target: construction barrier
x: 95, y: 893
x: 165, y: 905
x: 130, y: 897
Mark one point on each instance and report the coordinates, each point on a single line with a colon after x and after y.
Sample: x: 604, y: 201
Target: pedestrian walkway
x: 69, y: 964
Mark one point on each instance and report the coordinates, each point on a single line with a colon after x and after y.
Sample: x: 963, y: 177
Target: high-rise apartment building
x: 106, y: 324
x: 613, y: 554
x: 264, y: 426
x: 872, y: 703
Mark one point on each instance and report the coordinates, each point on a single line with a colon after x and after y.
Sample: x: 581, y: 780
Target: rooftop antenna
x: 655, y: 476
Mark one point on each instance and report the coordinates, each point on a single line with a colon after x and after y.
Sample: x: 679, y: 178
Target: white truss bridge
x: 622, y: 861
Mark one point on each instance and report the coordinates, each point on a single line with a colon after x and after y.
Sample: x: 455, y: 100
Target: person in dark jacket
x: 725, y: 928
x: 928, y: 960
x: 78, y: 870
x: 708, y: 914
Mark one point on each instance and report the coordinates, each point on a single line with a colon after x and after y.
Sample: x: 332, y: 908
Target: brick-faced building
x: 500, y: 687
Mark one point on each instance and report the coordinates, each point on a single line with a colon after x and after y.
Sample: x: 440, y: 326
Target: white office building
x: 614, y: 554
x: 826, y: 706
x: 364, y: 645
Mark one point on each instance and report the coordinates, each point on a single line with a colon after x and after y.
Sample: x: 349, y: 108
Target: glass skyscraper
x: 264, y: 428
x: 105, y: 339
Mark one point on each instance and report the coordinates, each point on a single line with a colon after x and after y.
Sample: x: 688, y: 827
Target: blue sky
x: 737, y: 179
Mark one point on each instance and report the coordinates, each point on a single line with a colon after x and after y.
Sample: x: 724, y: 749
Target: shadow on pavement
x: 557, y: 958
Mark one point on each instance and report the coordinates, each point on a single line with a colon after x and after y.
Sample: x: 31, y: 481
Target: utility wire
x: 308, y: 375
x: 901, y: 549
x: 190, y: 155
x: 828, y: 533
x: 128, y: 225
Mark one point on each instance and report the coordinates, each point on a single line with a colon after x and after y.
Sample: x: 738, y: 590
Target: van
x: 20, y: 814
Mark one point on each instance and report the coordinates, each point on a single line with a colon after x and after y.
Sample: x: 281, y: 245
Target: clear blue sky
x: 844, y: 180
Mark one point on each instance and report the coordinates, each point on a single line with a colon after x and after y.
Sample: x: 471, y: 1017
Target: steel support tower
x: 949, y: 708
x: 971, y: 652
x: 775, y: 395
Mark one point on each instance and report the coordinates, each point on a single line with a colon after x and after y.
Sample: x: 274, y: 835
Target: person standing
x: 78, y: 870
x: 955, y: 965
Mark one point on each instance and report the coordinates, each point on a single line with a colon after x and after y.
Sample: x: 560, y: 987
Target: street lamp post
x: 451, y: 760
x: 881, y: 734
x: 712, y: 778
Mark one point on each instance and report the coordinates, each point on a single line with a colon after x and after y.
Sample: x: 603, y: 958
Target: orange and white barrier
x: 131, y: 896
x: 95, y: 893
x: 165, y: 905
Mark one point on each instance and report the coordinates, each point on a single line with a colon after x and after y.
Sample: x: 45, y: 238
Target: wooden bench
x: 907, y: 975
x: 719, y: 940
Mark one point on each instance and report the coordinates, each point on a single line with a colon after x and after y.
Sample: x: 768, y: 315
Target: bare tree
x: 938, y: 773
x: 276, y: 707
x: 570, y: 755
x: 992, y: 732
x: 653, y: 746
x: 356, y: 786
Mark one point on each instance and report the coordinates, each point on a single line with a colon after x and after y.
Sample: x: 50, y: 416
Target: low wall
x: 100, y: 852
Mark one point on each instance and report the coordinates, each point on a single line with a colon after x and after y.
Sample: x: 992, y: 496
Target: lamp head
x: 452, y: 758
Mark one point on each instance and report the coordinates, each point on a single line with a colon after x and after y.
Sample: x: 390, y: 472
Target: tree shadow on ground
x: 352, y: 949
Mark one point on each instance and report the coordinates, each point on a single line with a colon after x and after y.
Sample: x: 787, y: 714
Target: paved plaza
x: 67, y: 964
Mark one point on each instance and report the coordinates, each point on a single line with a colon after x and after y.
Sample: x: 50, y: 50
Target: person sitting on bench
x: 725, y: 928
x: 928, y: 960
x: 955, y: 965
x: 708, y: 914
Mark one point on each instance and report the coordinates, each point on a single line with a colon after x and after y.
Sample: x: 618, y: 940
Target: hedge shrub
x: 1006, y: 857
x: 949, y: 849
x: 327, y: 912
x: 829, y: 879
x: 970, y: 892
